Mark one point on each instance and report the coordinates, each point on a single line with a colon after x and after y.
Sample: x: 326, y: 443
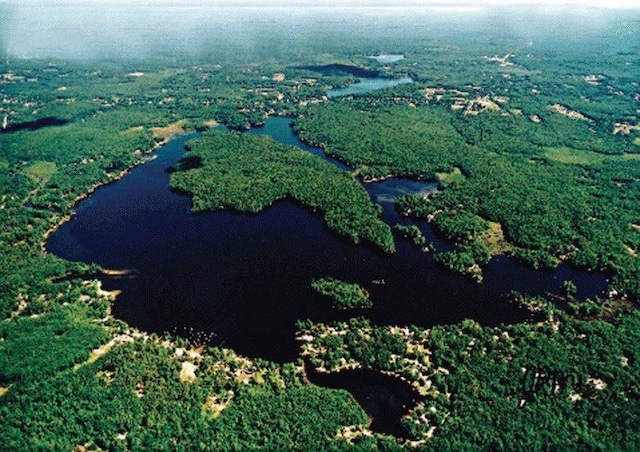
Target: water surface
x: 242, y: 281
x: 245, y: 278
x: 384, y: 398
x: 387, y: 58
x: 366, y: 85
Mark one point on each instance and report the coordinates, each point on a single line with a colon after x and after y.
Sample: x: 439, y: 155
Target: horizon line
x: 544, y: 4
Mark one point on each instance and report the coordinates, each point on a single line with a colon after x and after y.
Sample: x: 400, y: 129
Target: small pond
x: 366, y: 85
x: 387, y: 58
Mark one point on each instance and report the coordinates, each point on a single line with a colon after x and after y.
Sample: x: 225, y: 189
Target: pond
x: 366, y: 85
x: 387, y: 58
x: 384, y: 398
x: 368, y: 80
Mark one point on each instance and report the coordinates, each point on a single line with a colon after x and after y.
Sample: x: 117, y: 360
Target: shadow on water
x: 186, y: 163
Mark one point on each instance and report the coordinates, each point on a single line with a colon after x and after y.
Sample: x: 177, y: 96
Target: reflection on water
x: 366, y: 85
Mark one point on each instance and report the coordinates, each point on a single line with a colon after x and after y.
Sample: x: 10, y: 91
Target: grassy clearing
x: 41, y: 171
x: 494, y: 240
x: 453, y: 177
x: 169, y: 130
x: 519, y: 71
x: 132, y: 130
x: 582, y: 157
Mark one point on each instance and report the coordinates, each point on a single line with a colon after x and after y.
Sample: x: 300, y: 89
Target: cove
x: 244, y: 280
x: 384, y: 398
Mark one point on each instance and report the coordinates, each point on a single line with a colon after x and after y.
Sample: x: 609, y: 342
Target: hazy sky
x: 93, y: 28
x: 635, y: 4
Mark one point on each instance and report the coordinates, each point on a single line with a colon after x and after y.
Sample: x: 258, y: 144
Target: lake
x: 245, y: 279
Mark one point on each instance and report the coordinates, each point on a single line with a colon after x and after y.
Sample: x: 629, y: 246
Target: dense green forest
x: 343, y: 295
x: 249, y: 173
x: 548, y: 210
x: 496, y: 387
x: 536, y: 150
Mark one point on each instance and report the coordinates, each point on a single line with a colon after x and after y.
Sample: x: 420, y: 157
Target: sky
x: 616, y: 4
x: 91, y: 28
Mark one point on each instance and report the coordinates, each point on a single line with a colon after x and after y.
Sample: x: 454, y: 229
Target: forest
x: 249, y: 173
x: 536, y: 149
x: 343, y: 295
x: 549, y: 210
x: 491, y: 388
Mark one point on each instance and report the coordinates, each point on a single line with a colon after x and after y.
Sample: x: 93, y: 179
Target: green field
x: 583, y: 157
x: 40, y: 171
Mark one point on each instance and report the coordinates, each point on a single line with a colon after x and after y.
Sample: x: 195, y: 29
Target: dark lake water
x: 243, y: 280
x: 385, y: 399
x: 246, y: 277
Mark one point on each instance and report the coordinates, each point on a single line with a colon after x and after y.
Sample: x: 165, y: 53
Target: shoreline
x: 417, y: 389
x: 119, y: 272
x: 146, y: 157
x: 354, y: 171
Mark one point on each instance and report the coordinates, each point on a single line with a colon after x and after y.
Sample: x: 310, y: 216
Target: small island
x: 343, y: 295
